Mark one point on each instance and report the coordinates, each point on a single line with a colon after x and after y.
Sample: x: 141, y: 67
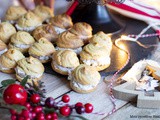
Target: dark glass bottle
x: 97, y: 16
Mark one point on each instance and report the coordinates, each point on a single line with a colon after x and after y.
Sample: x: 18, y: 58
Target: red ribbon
x: 72, y: 8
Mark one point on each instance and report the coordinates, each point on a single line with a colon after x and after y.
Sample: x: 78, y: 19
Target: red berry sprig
x: 15, y: 94
x: 65, y: 98
x: 34, y: 107
x: 35, y: 98
x: 37, y: 112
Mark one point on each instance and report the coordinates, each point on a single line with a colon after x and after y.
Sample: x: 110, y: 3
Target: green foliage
x: 7, y: 82
x: 24, y: 81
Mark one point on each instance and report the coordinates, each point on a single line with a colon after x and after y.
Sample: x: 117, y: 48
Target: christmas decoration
x: 27, y: 101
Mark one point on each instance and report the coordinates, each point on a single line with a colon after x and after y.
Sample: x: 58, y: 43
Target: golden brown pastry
x: 8, y: 60
x: 95, y: 55
x: 42, y: 50
x: 43, y: 12
x: 28, y: 22
x: 68, y: 40
x: 47, y: 31
x: 102, y: 39
x: 29, y: 66
x: 13, y: 13
x: 84, y: 79
x: 64, y: 61
x: 21, y: 41
x: 6, y: 31
x: 3, y: 47
x: 61, y: 22
x: 83, y: 30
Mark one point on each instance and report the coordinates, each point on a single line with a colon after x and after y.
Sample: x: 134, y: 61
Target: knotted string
x: 133, y: 38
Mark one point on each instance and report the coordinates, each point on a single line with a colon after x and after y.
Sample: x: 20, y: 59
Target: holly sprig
x: 37, y: 88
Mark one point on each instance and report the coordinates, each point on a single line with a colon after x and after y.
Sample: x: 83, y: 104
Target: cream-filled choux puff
x: 61, y: 22
x: 64, y: 61
x: 47, y: 31
x: 102, y: 39
x: 83, y: 30
x: 84, y: 79
x: 42, y: 50
x: 6, y: 31
x: 3, y: 47
x: 13, y: 13
x: 68, y: 40
x: 29, y: 66
x: 8, y: 60
x: 21, y: 41
x: 95, y: 55
x: 28, y: 22
x: 43, y: 12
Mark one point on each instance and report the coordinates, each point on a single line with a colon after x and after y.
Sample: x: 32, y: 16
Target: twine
x: 133, y: 38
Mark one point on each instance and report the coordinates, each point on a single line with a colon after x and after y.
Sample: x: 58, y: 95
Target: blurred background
x: 60, y: 6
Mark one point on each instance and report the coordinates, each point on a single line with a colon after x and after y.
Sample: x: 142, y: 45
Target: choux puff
x: 8, y: 60
x: 29, y: 66
x: 28, y: 22
x: 3, y: 47
x: 94, y: 54
x: 6, y: 31
x: 68, y: 40
x: 83, y: 30
x: 43, y: 12
x: 84, y: 79
x: 64, y: 61
x: 13, y: 13
x: 21, y: 41
x: 102, y: 39
x: 47, y: 31
x: 42, y: 50
x: 61, y: 22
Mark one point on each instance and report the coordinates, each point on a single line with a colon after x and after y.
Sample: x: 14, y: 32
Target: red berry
x: 33, y: 115
x: 13, y: 117
x: 88, y: 108
x: 25, y: 113
x: 27, y: 105
x: 37, y: 109
x: 21, y: 118
x: 80, y: 109
x: 48, y: 116
x: 54, y: 116
x: 65, y: 98
x: 15, y: 94
x: 65, y: 110
x: 31, y: 109
x: 40, y: 116
x: 49, y: 102
x: 27, y: 118
x: 13, y: 112
x: 78, y: 104
x: 35, y: 98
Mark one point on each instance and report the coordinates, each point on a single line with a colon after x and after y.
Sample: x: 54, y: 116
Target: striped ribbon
x: 132, y: 38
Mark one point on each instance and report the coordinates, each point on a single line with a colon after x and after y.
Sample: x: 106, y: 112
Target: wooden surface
x: 56, y: 86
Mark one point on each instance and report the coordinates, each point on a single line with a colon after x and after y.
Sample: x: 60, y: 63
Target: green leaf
x: 24, y: 81
x: 49, y: 110
x: 1, y: 95
x: 17, y: 108
x: 80, y: 117
x: 7, y: 82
